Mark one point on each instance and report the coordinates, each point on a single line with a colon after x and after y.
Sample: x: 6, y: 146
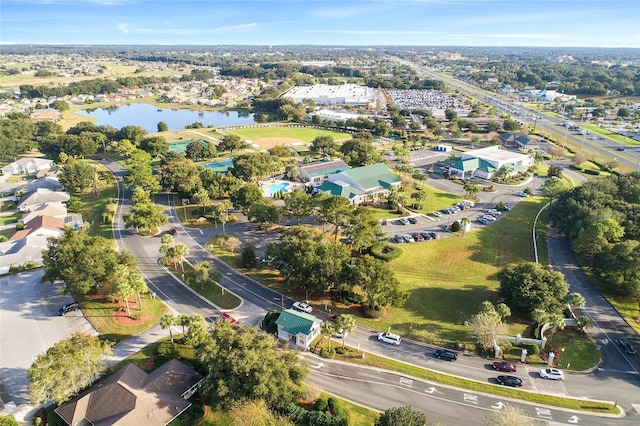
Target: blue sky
x: 571, y: 23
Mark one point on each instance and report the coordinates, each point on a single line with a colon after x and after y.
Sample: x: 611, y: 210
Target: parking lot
x: 30, y: 326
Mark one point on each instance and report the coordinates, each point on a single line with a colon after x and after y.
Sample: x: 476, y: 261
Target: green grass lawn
x: 303, y: 133
x: 102, y: 316
x: 580, y: 353
x: 12, y: 218
x: 94, y: 206
x: 210, y: 291
x: 597, y: 130
x: 453, y: 275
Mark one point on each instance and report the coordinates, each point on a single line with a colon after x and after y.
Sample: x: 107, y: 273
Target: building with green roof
x: 298, y: 328
x: 484, y: 162
x: 360, y: 184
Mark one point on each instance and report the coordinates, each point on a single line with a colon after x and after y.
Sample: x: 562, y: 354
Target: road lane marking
x: 473, y: 399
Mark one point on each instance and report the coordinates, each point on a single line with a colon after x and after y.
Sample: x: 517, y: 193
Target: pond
x: 148, y: 116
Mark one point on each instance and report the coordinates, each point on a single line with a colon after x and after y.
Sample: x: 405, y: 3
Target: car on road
x: 302, y: 307
x: 620, y: 148
x: 174, y: 231
x: 504, y: 366
x: 69, y: 307
x: 390, y: 338
x: 446, y: 354
x: 509, y: 381
x: 627, y: 346
x: 551, y: 374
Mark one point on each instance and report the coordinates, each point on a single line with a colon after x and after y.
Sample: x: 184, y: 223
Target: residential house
x: 484, y: 162
x: 52, y: 184
x: 360, y: 184
x: 514, y: 140
x: 132, y: 397
x: 40, y: 196
x: 26, y: 165
x: 48, y: 114
x: 55, y: 210
x: 298, y: 328
x: 53, y: 172
x: 316, y: 173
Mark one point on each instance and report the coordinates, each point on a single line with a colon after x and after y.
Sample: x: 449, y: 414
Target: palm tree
x: 502, y: 173
x: 167, y: 321
x: 96, y: 183
x: 180, y: 251
x: 201, y: 272
x: 328, y: 329
x: 346, y: 324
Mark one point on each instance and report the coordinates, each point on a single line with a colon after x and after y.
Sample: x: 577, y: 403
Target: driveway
x: 30, y: 326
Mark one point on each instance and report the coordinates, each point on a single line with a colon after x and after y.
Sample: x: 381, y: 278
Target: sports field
x: 268, y: 137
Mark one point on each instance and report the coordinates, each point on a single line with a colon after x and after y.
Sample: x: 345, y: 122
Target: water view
x: 148, y: 116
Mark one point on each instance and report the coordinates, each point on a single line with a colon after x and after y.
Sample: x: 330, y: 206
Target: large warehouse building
x: 345, y: 94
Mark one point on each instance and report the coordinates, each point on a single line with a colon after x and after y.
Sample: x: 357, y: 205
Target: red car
x: 504, y: 366
x: 174, y: 231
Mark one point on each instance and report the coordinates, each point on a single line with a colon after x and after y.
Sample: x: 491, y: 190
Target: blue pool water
x: 274, y: 188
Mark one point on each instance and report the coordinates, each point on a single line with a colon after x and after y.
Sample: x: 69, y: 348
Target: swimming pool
x: 274, y: 188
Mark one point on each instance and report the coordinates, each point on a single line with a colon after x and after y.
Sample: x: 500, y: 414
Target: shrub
x: 19, y: 226
x: 328, y: 353
x: 321, y: 405
x: 591, y: 172
x: 455, y: 226
x: 386, y: 252
x: 532, y: 349
x: 342, y: 351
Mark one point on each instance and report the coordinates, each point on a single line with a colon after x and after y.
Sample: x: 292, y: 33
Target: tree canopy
x: 244, y: 364
x: 66, y: 368
x: 526, y: 286
x: 402, y: 416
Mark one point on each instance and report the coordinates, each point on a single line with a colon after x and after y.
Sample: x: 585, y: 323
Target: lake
x: 148, y: 116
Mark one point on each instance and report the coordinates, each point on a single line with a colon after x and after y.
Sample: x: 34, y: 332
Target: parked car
x: 433, y: 235
x: 425, y: 236
x: 522, y: 194
x: 509, y: 381
x: 403, y: 221
x: 392, y: 339
x: 302, y: 307
x: 504, y: 366
x: 627, y: 346
x: 436, y: 214
x: 551, y: 374
x: 399, y: 239
x: 340, y: 334
x: 409, y: 239
x: 446, y: 354
x: 69, y: 307
x: 174, y: 231
x: 413, y: 220
x: 417, y: 236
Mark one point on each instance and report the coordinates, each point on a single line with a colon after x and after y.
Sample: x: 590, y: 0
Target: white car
x: 302, y: 307
x: 551, y: 374
x: 392, y: 339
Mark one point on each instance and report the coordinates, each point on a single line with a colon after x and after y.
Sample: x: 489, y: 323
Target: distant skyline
x: 543, y: 23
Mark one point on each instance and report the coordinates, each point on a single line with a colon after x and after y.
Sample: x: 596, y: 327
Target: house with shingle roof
x: 49, y: 183
x: 57, y: 210
x: 298, y: 328
x: 316, y: 173
x: 360, y: 184
x: 515, y: 140
x: 132, y: 397
x: 40, y: 196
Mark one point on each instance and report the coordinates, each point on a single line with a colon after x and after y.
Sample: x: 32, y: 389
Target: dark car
x: 509, y: 381
x: 504, y: 366
x: 433, y: 235
x: 174, y: 231
x: 425, y: 236
x: 69, y: 307
x: 413, y: 220
x: 627, y: 346
x: 446, y: 354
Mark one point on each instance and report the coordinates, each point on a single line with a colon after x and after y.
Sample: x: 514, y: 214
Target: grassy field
x: 12, y: 218
x: 212, y: 292
x: 597, y: 130
x: 95, y: 206
x: 302, y: 133
x: 455, y: 274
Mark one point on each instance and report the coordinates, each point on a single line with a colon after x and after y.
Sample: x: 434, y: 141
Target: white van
x: 392, y: 339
